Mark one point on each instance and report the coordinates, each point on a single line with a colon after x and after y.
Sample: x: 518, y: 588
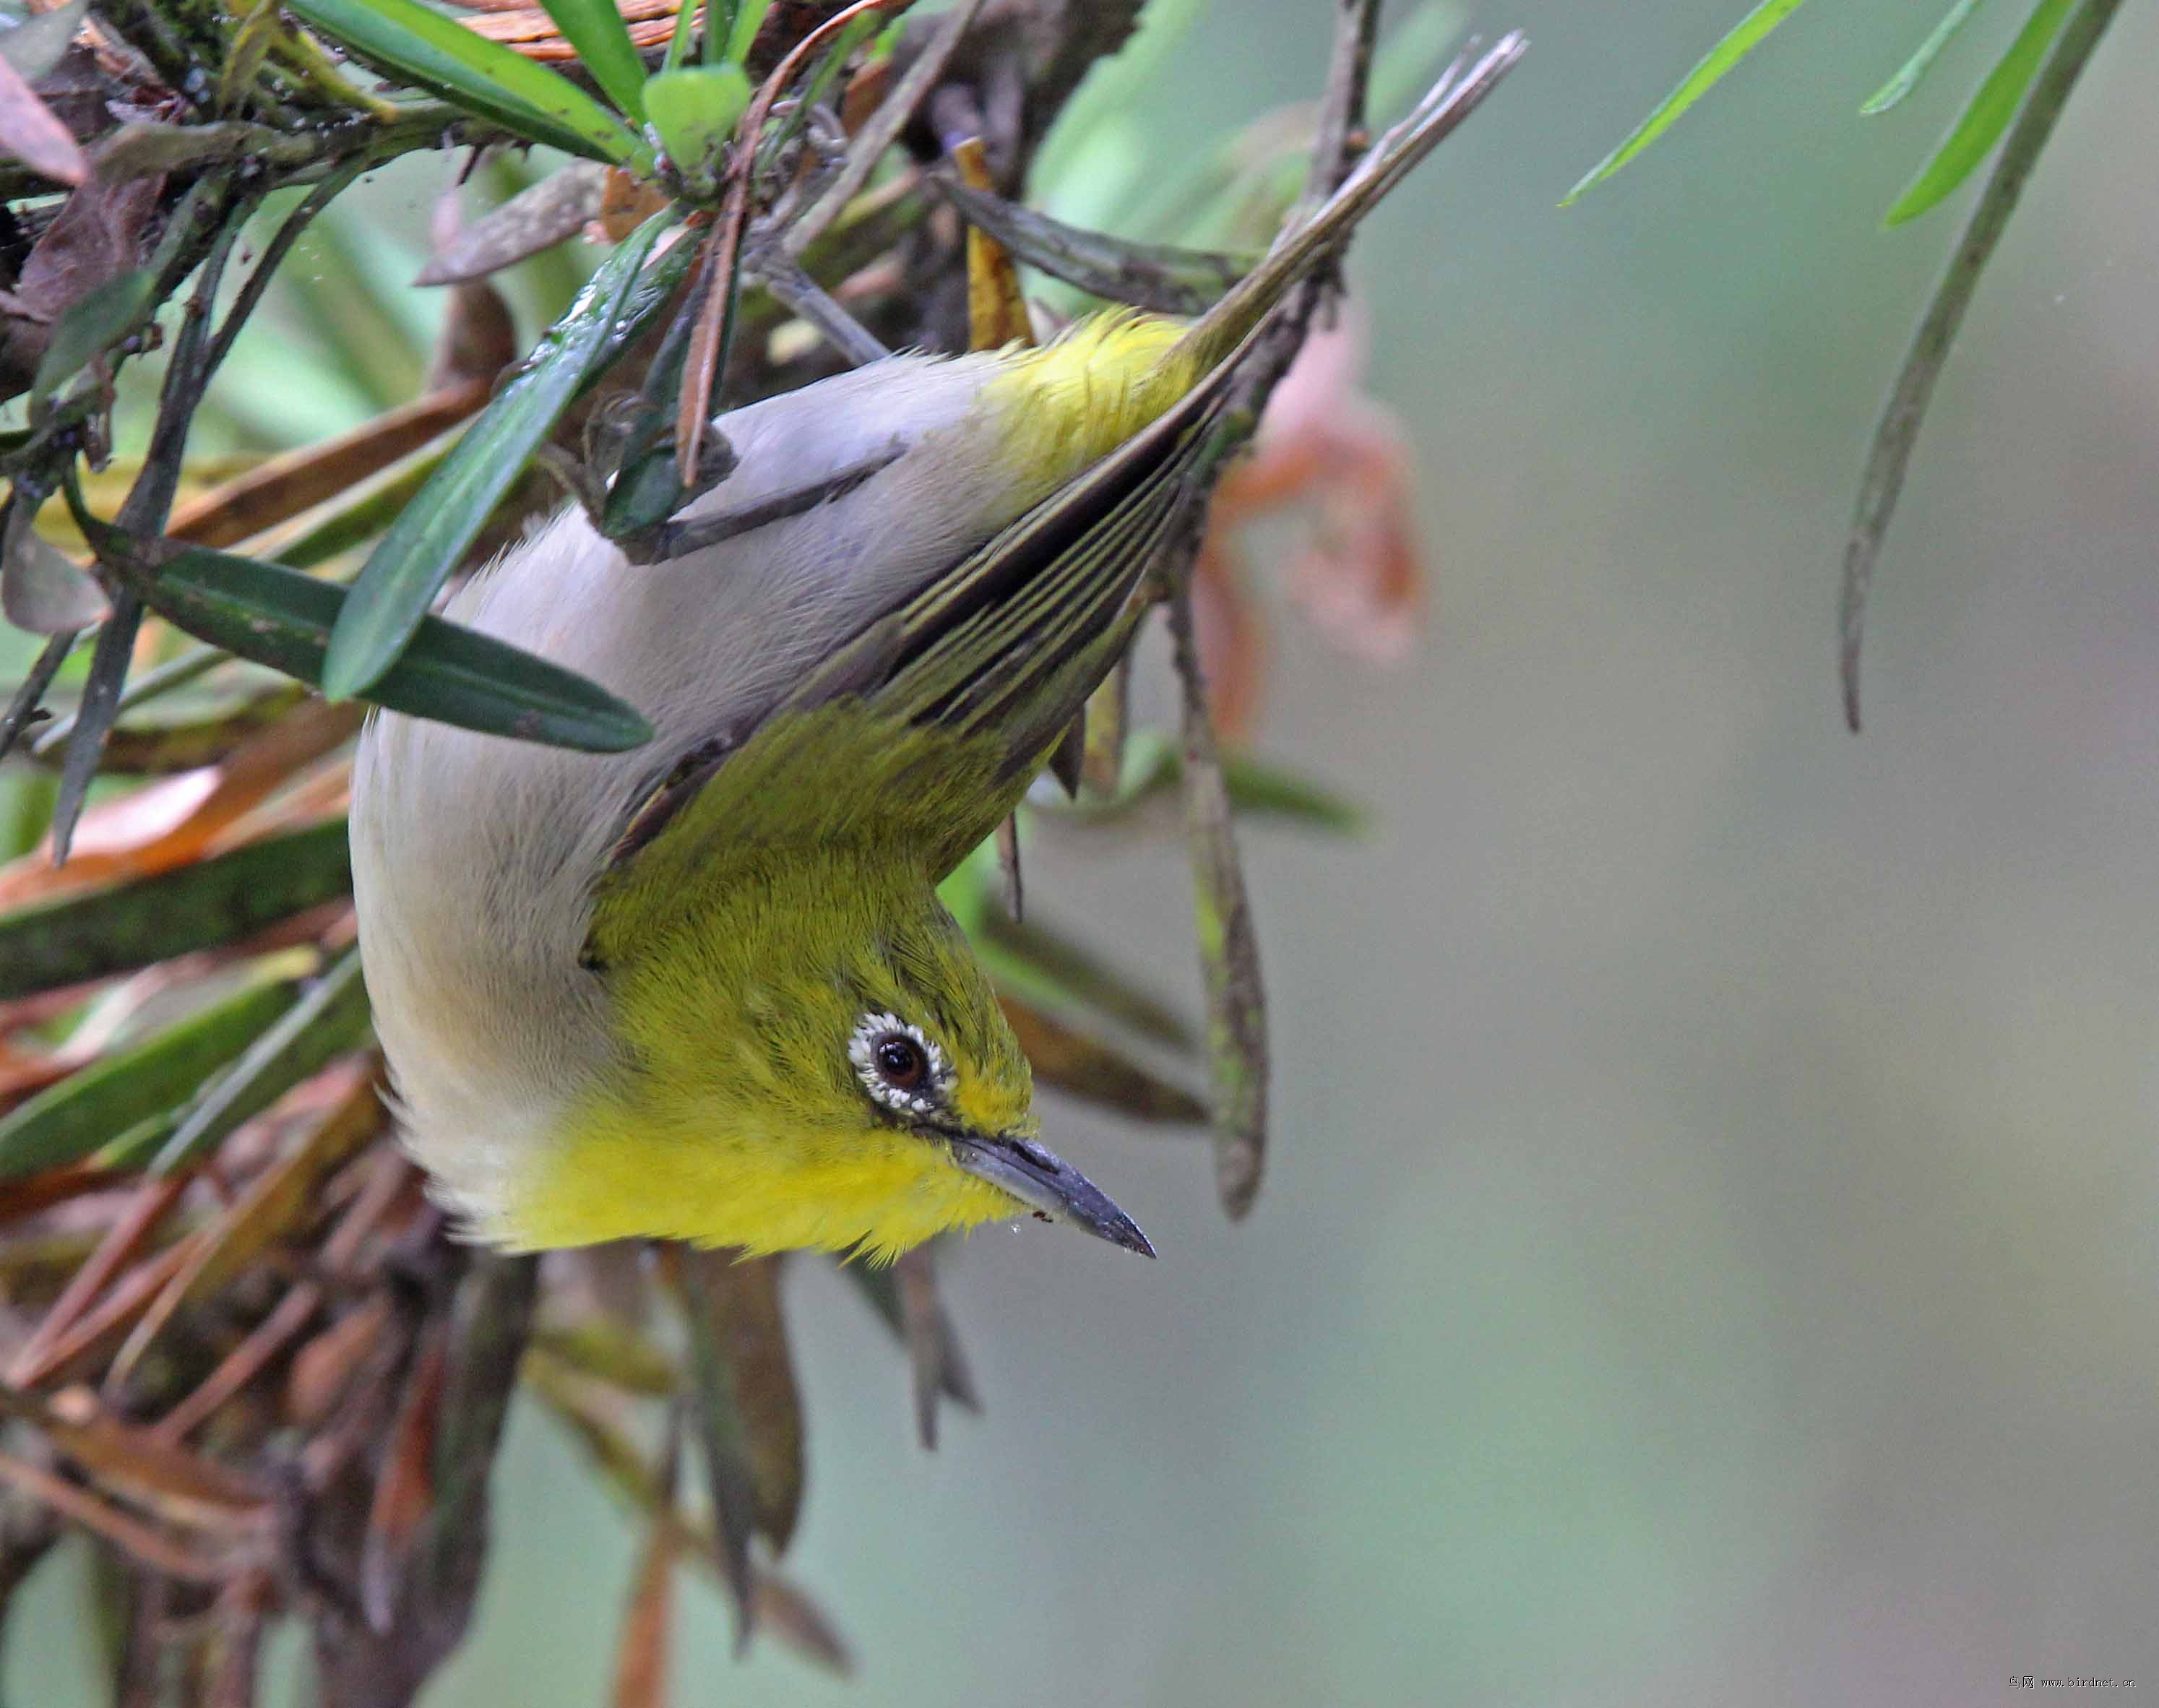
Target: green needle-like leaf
x: 596, y: 30
x: 1972, y: 138
x: 392, y: 592
x: 1913, y: 69
x: 481, y: 76
x: 330, y: 1020
x: 88, y: 1110
x: 1743, y: 38
x: 92, y: 325
x: 284, y: 620
x: 215, y: 901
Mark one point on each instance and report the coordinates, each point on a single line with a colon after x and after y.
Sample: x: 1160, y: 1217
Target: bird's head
x: 837, y: 1074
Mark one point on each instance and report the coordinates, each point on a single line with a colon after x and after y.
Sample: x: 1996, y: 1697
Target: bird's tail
x: 1224, y: 327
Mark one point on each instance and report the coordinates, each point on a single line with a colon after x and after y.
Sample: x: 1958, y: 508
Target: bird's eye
x: 900, y: 1062
x: 899, y: 1066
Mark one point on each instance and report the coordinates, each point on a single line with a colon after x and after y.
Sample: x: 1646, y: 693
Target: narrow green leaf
x: 723, y: 1438
x: 110, y: 661
x: 322, y: 1026
x: 1986, y: 116
x: 695, y: 109
x: 745, y: 18
x: 481, y: 76
x: 393, y: 588
x: 1743, y: 38
x: 1913, y: 69
x: 282, y: 618
x: 215, y: 901
x: 88, y: 1110
x: 1890, y: 455
x: 36, y: 44
x: 91, y: 325
x: 596, y: 30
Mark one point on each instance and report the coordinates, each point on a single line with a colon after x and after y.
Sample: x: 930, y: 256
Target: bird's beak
x: 1053, y: 1190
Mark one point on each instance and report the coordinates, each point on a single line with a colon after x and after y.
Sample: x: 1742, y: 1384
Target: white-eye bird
x: 706, y: 990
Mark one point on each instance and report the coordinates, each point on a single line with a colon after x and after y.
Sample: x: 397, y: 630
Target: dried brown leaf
x: 405, y: 1486
x: 31, y: 133
x: 933, y: 1346
x: 178, y: 820
x: 323, y: 1370
x: 145, y: 1210
x: 111, y: 1314
x: 754, y: 1339
x: 1071, y: 1060
x: 179, y: 1486
x: 287, y: 486
x: 148, y: 1546
x: 641, y: 1655
x: 243, y: 1363
x: 89, y: 243
x: 273, y: 1205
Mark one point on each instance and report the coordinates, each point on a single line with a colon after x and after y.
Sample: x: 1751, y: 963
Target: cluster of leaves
x: 2020, y: 98
x: 242, y: 1354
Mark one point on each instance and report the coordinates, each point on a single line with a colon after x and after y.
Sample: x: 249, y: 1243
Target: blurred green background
x: 1708, y: 1254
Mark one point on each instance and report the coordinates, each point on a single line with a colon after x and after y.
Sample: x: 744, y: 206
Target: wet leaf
x: 481, y: 76
x: 33, y: 132
x: 1093, y: 1072
x: 284, y: 620
x: 218, y: 900
x: 1986, y: 116
x: 82, y: 1113
x: 391, y: 595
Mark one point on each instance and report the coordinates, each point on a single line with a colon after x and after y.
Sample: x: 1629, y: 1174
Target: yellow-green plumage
x: 707, y: 990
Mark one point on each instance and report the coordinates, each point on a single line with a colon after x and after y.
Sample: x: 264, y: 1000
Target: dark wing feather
x: 1006, y: 644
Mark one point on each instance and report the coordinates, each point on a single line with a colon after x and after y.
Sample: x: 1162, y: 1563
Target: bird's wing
x: 927, y: 726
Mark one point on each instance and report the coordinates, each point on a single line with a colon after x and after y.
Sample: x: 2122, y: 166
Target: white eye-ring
x: 900, y: 1067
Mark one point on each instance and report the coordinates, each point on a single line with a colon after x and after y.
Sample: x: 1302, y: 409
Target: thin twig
x: 707, y: 341
x: 1890, y: 455
x: 883, y: 129
x: 804, y: 296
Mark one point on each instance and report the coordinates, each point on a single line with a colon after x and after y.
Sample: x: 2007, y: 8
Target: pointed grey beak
x: 1054, y: 1190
